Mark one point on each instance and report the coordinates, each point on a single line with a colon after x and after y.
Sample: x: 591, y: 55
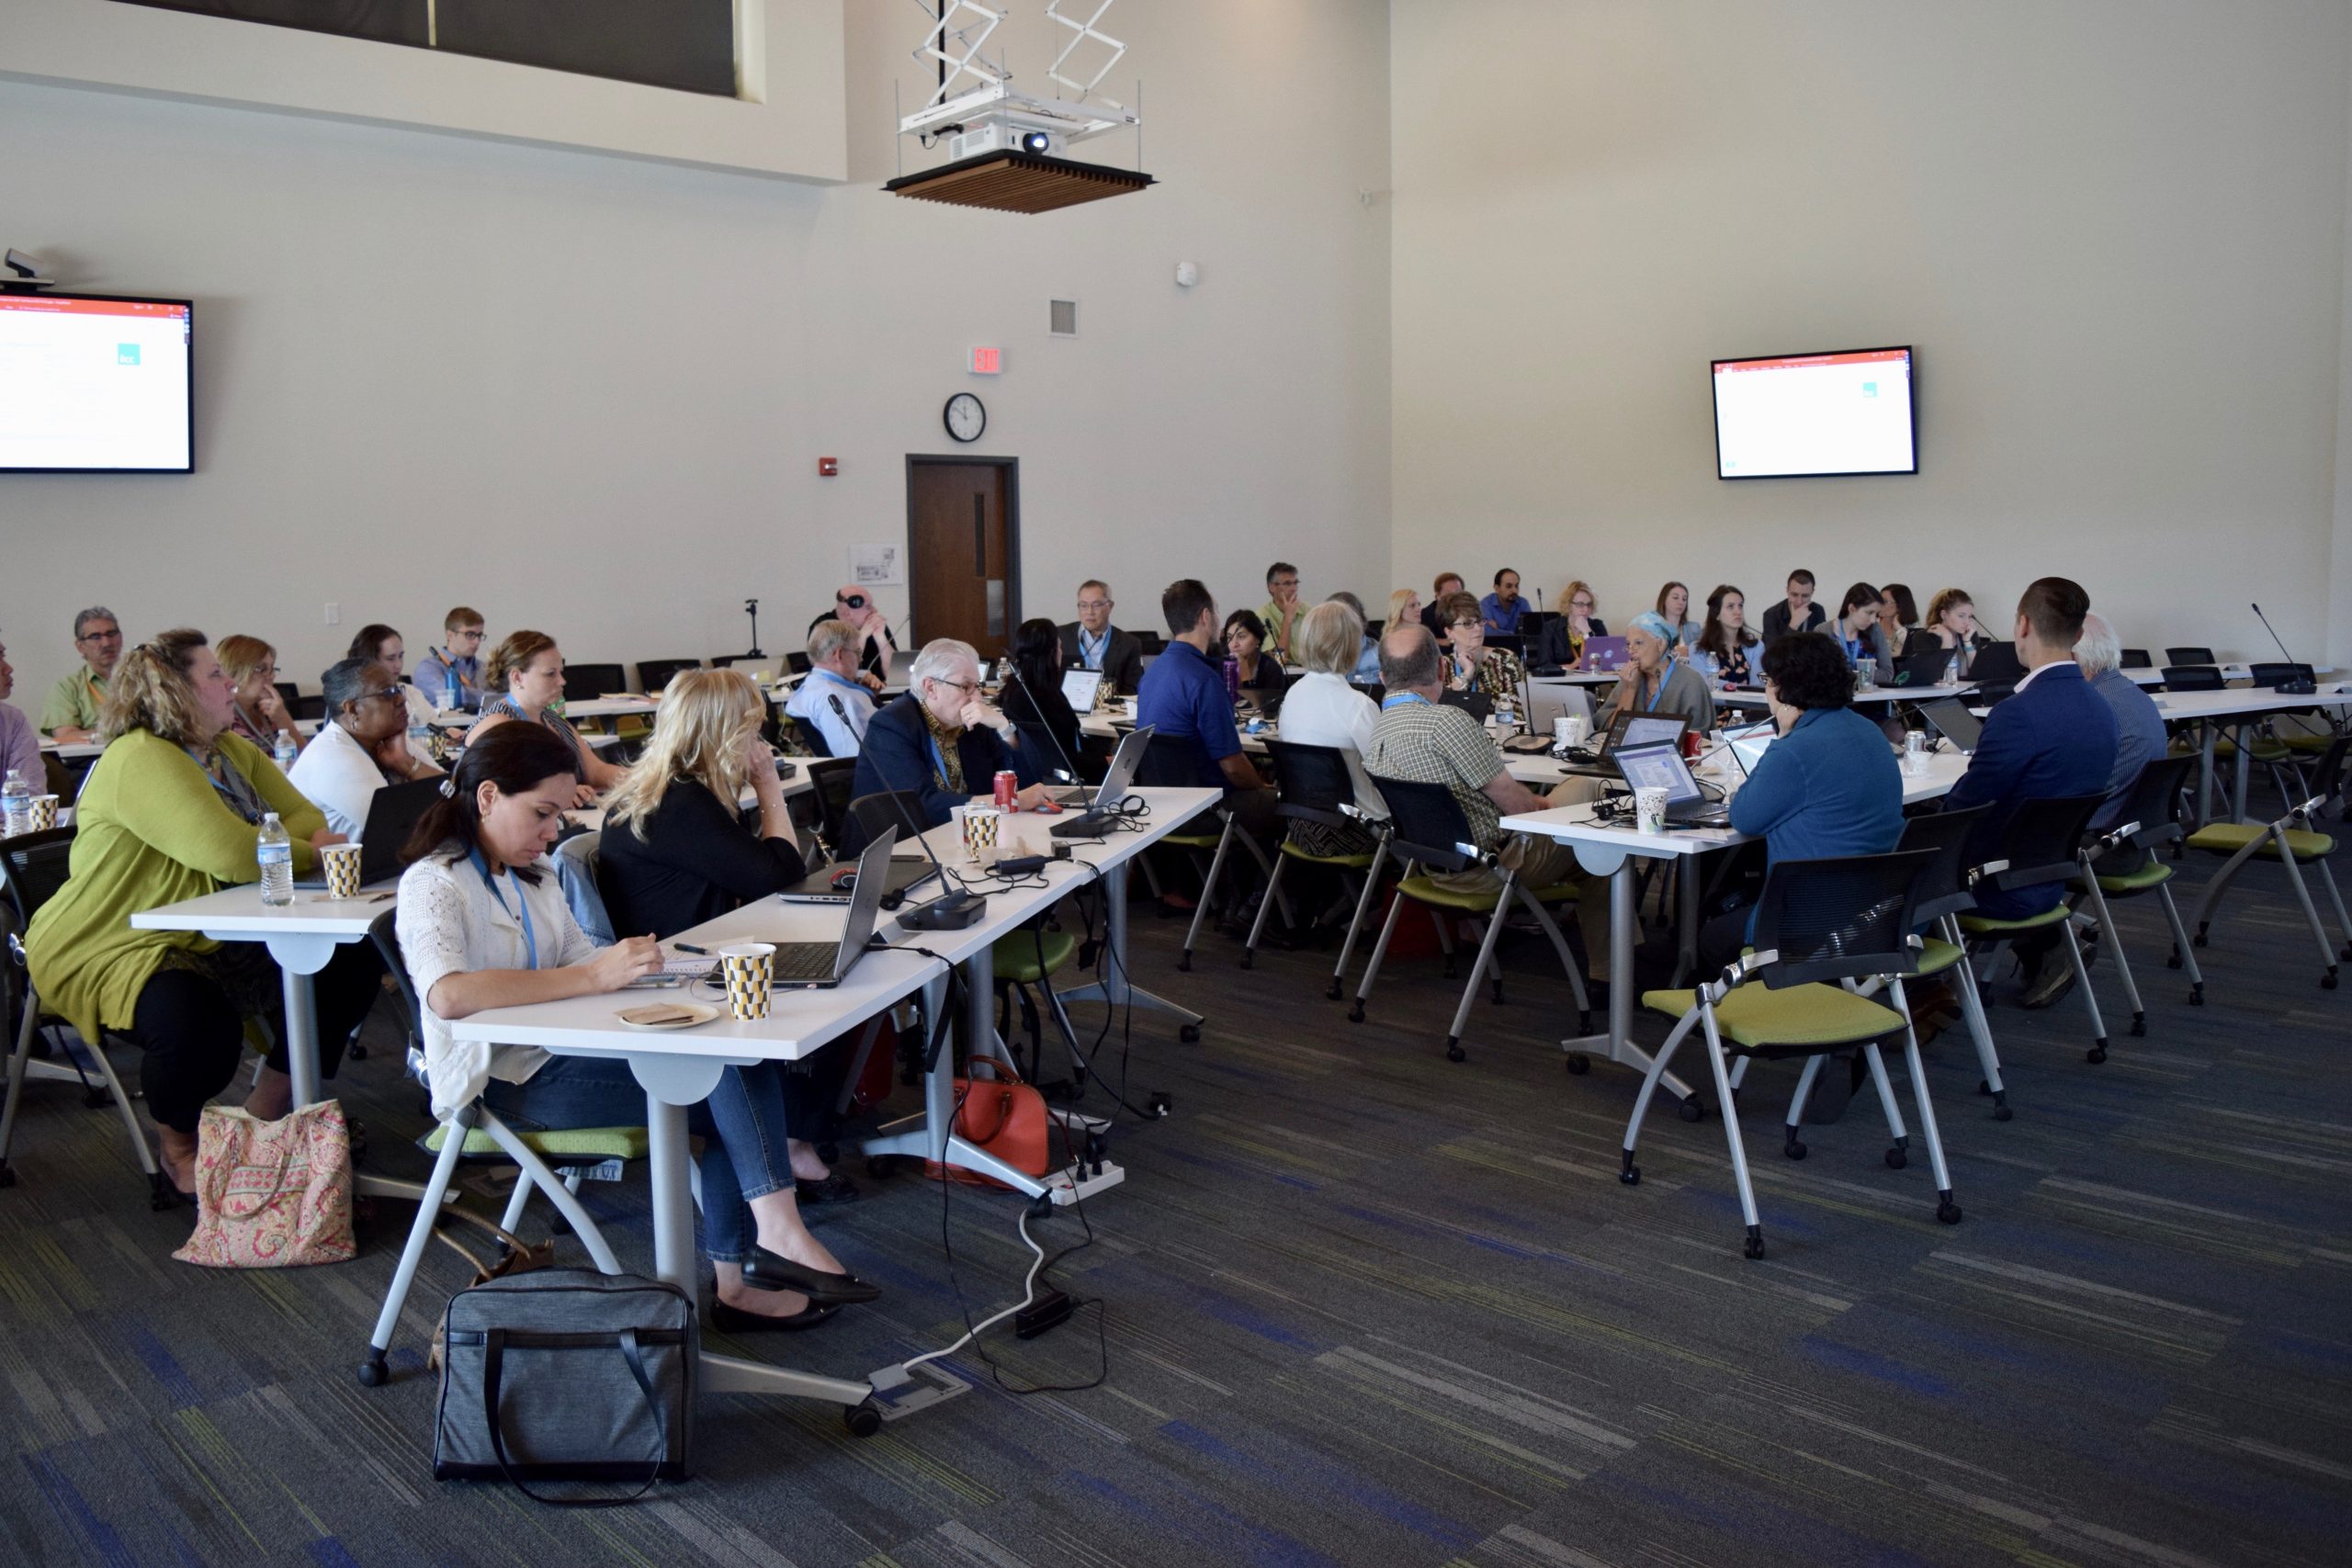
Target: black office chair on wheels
x: 1430, y: 836
x: 1313, y: 782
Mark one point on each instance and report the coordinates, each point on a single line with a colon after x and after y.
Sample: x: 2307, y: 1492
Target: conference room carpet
x: 1362, y: 1306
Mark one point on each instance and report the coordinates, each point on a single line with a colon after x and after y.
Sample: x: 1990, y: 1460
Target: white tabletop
x: 238, y: 913
x: 2234, y: 701
x: 1750, y: 697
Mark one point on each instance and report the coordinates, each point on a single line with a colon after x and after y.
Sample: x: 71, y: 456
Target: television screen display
x: 1813, y: 414
x: 94, y: 384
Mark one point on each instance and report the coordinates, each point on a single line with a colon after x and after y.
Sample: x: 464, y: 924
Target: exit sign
x: 987, y: 361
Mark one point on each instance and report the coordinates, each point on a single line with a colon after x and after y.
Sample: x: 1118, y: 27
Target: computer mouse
x: 844, y: 879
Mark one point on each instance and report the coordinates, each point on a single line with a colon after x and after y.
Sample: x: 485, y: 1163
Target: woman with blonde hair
x: 1563, y: 639
x: 258, y: 712
x: 172, y: 809
x: 524, y: 680
x: 674, y: 852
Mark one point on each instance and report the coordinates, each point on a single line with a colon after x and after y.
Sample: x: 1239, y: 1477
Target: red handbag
x: 1004, y: 1116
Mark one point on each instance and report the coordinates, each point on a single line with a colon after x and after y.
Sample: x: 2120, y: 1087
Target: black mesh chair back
x: 1045, y: 749
x: 2151, y: 799
x: 2137, y: 658
x: 833, y: 778
x: 655, y: 673
x: 869, y: 814
x: 1170, y: 762
x: 2275, y: 674
x: 810, y: 738
x: 1371, y: 628
x: 2193, y: 678
x: 1509, y: 642
x: 1152, y: 642
x: 1312, y: 783
x: 1477, y: 705
x: 1531, y: 625
x: 33, y: 867
x: 2042, y: 840
x: 585, y: 682
x: 1944, y: 834
x: 1847, y: 919
x: 2328, y: 778
x: 2189, y: 655
x: 313, y: 707
x: 289, y: 694
x: 1429, y: 824
x: 384, y: 932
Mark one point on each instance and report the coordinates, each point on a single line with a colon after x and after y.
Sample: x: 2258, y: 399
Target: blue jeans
x: 741, y: 1126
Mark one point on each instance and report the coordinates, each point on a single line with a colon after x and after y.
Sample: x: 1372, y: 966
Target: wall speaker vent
x: 1065, y: 322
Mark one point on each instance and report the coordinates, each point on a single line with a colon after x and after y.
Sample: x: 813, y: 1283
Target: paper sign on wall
x: 877, y: 566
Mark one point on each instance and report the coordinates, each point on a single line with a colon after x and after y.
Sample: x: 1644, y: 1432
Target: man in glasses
x: 856, y: 606
x: 1091, y: 642
x: 71, y: 714
x: 1282, y: 610
x: 942, y: 742
x: 460, y: 655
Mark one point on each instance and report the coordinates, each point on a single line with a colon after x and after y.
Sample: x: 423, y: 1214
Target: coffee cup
x: 983, y: 829
x: 747, y: 969
x: 44, y: 812
x: 1649, y: 809
x: 340, y: 862
x: 1578, y: 727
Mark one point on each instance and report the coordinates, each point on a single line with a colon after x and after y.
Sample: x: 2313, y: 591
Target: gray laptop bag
x: 566, y: 1374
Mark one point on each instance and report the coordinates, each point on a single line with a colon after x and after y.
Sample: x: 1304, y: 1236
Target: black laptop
x: 1950, y: 718
x: 1687, y: 806
x: 1629, y: 728
x: 898, y: 876
x: 1922, y: 669
x: 393, y: 815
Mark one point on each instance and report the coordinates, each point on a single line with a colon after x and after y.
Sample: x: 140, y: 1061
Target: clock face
x: 966, y: 418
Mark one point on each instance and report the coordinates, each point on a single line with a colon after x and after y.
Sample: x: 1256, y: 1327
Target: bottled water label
x: 16, y: 804
x: 275, y: 854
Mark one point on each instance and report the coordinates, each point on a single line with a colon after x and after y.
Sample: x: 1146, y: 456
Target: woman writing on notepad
x: 483, y: 925
x: 522, y: 681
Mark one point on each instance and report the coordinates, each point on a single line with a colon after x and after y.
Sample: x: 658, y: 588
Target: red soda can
x: 1693, y: 742
x: 1008, y: 785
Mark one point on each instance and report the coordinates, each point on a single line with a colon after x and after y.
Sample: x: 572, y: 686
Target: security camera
x: 23, y: 264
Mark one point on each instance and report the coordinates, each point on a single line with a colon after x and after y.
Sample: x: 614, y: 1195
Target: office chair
x: 1169, y: 763
x: 2041, y: 845
x: 2189, y: 655
x: 2295, y: 842
x: 1429, y: 834
x: 830, y: 780
x: 2133, y: 869
x: 2137, y: 658
x: 1820, y: 924
x: 655, y: 673
x: 1312, y: 783
x: 585, y: 682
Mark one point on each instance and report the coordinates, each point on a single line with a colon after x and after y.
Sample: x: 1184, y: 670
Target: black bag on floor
x: 566, y: 1374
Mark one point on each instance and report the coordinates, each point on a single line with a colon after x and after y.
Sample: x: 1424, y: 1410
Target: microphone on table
x: 953, y: 909
x: 2294, y: 685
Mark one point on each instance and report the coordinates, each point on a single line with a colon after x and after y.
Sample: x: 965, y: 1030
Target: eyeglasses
x: 1095, y: 603
x: 965, y: 686
x: 1580, y: 604
x: 389, y: 695
x: 114, y: 636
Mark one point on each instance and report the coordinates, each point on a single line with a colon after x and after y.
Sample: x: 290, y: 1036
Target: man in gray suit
x: 1091, y: 642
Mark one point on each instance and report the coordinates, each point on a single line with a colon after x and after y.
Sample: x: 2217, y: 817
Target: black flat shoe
x: 765, y: 1271
x: 835, y: 1189
x: 735, y: 1320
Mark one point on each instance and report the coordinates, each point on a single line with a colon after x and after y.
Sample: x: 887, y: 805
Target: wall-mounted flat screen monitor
x: 1809, y: 416
x: 94, y: 383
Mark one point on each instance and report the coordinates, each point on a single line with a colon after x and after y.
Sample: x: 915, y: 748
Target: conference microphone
x: 953, y: 909
x: 2294, y: 685
x: 1092, y: 822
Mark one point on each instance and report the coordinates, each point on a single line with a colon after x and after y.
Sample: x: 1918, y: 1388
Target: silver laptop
x: 1662, y: 767
x: 1548, y: 703
x: 829, y: 963
x: 1117, y: 780
x: 1081, y: 689
x: 1951, y: 718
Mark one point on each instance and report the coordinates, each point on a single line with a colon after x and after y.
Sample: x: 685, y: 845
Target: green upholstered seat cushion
x: 2229, y: 838
x: 2155, y: 873
x: 1754, y: 1015
x: 556, y: 1146
x: 1421, y: 890
x: 1015, y: 956
x: 1988, y: 925
x: 1352, y: 863
x: 1936, y: 955
x: 2296, y: 740
x: 1195, y: 841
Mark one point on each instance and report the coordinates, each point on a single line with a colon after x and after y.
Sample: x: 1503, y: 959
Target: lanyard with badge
x: 522, y: 912
x: 1664, y: 675
x: 1401, y: 698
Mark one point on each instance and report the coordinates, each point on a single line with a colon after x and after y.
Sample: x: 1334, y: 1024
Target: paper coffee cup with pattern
x: 341, y: 864
x: 748, y: 968
x: 1649, y: 809
x: 983, y: 828
x: 44, y: 812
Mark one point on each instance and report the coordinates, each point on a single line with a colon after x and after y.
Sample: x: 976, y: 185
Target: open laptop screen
x: 1081, y: 688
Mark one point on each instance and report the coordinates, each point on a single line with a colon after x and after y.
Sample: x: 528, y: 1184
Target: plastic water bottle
x: 453, y: 695
x: 16, y: 804
x: 284, y: 751
x: 1233, y: 680
x: 275, y: 851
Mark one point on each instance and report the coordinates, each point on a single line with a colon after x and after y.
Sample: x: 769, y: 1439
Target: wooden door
x: 963, y: 541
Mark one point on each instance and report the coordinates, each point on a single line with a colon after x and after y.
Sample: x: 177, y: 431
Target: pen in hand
x: 690, y: 947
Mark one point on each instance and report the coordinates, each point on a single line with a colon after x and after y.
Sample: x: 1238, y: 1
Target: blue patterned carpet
x: 1362, y: 1306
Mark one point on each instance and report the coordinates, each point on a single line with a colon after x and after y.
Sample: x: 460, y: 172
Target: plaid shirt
x: 1430, y: 743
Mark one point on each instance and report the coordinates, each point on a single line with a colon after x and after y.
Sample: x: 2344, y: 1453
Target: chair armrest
x: 1990, y: 868
x: 1741, y: 969
x: 2113, y: 839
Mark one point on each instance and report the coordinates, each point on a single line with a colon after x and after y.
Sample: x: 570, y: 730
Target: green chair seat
x: 1936, y: 955
x: 2153, y: 874
x: 1195, y: 841
x: 1422, y: 890
x: 1758, y: 1017
x: 2229, y: 838
x: 1991, y: 925
x: 561, y: 1146
x: 1349, y: 862
x: 1015, y: 956
x: 2261, y: 751
x: 2296, y: 740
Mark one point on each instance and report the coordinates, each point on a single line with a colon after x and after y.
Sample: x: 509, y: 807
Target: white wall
x: 588, y: 393
x: 2113, y: 229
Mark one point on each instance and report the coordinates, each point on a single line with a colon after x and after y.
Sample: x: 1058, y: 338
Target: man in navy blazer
x: 2054, y: 736
x: 942, y: 742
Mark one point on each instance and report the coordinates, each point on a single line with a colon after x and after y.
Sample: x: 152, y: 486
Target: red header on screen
x: 1797, y: 362
x: 93, y: 307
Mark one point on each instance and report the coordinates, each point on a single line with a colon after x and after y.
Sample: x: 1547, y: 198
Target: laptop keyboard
x: 806, y: 960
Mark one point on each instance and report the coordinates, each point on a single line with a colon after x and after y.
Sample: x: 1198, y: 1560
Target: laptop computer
x: 1081, y: 689
x: 1996, y: 664
x: 392, y: 814
x: 1950, y: 718
x: 1923, y: 669
x: 903, y: 668
x: 1117, y: 780
x: 1749, y: 745
x: 899, y: 876
x: 824, y: 963
x: 1603, y: 653
x: 1545, y: 703
x: 1662, y: 767
x: 1477, y: 705
x: 1640, y: 729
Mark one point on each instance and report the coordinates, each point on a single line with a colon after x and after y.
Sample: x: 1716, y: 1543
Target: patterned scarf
x: 951, y: 761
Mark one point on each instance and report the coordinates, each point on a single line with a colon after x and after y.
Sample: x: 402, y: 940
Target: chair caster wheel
x: 1332, y: 991
x: 1041, y: 1207
x: 2196, y: 941
x: 160, y: 1199
x: 1947, y: 1210
x: 1185, y: 962
x: 1578, y: 1064
x: 2327, y: 981
x: 2001, y: 1111
x: 1793, y: 1148
x: 2172, y: 960
x: 863, y: 1421
x: 2197, y: 996
x: 1248, y: 958
x: 1455, y: 1053
x: 96, y: 1098
x: 1896, y: 1159
x: 1190, y: 1034
x: 1691, y: 1110
x: 1355, y: 1013
x: 1628, y: 1172
x: 1754, y: 1247
x: 373, y: 1373
x: 2140, y: 1025
x: 2096, y: 1053
x: 355, y: 1051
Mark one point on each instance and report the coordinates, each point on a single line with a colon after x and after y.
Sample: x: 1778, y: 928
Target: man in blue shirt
x: 1828, y: 786
x: 1501, y: 609
x: 830, y: 699
x: 1091, y: 642
x: 1183, y: 699
x: 941, y: 742
x: 460, y: 655
x: 2140, y: 735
